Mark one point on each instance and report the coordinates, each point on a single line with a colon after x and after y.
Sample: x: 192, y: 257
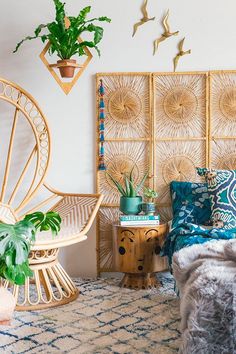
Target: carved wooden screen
x: 180, y: 131
x: 128, y: 143
x: 169, y: 122
x: 222, y: 129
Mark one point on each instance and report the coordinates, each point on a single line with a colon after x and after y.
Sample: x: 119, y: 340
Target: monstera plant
x: 63, y: 36
x: 16, y: 241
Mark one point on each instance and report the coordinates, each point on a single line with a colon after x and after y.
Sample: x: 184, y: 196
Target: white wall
x: 209, y: 27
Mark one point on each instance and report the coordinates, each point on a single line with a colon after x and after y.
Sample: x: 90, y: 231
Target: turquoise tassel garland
x: 101, y: 163
x: 102, y: 105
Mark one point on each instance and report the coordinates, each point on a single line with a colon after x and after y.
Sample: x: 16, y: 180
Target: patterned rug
x: 104, y: 319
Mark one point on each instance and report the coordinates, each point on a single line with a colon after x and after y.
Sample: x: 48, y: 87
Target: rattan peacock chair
x: 25, y: 154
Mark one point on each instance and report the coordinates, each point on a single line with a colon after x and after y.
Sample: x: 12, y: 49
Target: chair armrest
x: 77, y: 210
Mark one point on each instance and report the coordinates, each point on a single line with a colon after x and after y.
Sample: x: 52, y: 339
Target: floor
x: 104, y: 319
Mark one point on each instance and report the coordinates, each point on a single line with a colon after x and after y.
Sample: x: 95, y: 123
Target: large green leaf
x: 39, y: 29
x: 44, y: 222
x: 118, y: 185
x: 140, y: 185
x: 15, y: 242
x: 98, y: 32
x: 28, y: 38
x: 132, y: 190
x: 60, y: 14
x: 127, y: 186
x: 84, y: 12
x: 104, y: 19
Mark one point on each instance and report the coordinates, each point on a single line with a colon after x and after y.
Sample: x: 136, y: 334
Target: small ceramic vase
x: 149, y: 208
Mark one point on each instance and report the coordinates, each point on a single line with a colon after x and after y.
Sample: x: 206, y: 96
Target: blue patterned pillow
x: 190, y: 203
x: 222, y: 193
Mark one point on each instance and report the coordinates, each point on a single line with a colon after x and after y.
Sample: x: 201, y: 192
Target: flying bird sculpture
x: 145, y: 17
x: 181, y: 53
x: 166, y: 34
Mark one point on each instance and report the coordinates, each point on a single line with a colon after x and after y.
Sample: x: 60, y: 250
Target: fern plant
x: 129, y: 188
x: 63, y: 40
x: 16, y: 241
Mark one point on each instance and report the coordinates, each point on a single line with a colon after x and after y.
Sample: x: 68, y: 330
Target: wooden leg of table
x: 139, y: 281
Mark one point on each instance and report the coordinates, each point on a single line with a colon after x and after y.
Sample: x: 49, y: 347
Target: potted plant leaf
x: 63, y: 34
x: 15, y: 244
x: 149, y: 206
x: 130, y: 201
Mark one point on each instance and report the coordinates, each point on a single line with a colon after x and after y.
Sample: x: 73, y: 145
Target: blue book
x: 139, y: 217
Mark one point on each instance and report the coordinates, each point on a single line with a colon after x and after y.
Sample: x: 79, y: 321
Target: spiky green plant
x: 64, y: 41
x: 150, y: 194
x: 129, y: 188
x: 16, y: 241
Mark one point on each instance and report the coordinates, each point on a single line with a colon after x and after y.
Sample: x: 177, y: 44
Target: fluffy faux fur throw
x: 206, y: 278
x: 7, y: 306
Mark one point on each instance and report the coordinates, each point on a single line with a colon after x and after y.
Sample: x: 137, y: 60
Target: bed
x: 201, y: 248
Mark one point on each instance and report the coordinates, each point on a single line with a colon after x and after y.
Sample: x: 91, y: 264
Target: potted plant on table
x: 149, y: 206
x: 63, y: 34
x: 15, y: 244
x: 130, y: 201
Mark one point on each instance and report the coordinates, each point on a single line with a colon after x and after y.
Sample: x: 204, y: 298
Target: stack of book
x: 139, y: 220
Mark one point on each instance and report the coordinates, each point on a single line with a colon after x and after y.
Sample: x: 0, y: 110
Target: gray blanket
x: 206, y: 278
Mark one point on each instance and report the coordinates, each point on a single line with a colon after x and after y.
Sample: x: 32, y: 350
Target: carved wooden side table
x: 136, y: 251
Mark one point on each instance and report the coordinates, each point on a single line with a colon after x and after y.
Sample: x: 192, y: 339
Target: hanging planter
x: 64, y: 36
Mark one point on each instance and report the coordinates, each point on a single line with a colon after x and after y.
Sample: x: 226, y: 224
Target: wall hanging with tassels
x: 101, y: 163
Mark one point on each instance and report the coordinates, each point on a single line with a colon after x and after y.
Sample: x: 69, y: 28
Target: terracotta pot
x: 66, y: 70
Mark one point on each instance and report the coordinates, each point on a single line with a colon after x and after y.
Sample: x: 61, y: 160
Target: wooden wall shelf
x: 61, y: 65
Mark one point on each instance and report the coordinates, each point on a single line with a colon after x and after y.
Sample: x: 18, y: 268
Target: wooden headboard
x: 168, y: 123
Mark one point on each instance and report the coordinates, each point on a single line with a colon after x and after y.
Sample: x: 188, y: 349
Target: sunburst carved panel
x: 165, y: 213
x: 107, y: 217
x: 177, y: 161
x: 127, y: 102
x: 120, y: 158
x: 223, y: 104
x: 180, y: 105
x: 223, y: 154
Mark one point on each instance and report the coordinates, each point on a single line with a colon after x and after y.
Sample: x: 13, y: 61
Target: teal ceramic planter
x: 149, y: 208
x: 131, y: 206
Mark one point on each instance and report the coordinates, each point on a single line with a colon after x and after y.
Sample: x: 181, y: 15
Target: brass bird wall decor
x: 144, y: 19
x: 166, y: 34
x: 180, y: 53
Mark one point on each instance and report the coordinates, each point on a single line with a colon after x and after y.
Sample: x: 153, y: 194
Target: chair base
x: 50, y: 285
x: 43, y: 306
